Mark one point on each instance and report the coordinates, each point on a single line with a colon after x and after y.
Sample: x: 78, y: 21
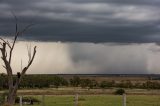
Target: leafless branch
x: 29, y: 52
x: 29, y: 63
x: 8, y: 44
x: 15, y: 39
x: 4, y: 66
x: 25, y: 29
x: 16, y: 21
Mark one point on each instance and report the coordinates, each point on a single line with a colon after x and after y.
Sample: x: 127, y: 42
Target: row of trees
x: 129, y: 84
x: 76, y: 81
x: 35, y: 81
x: 45, y: 81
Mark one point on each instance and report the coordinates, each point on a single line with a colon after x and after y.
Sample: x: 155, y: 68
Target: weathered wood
x: 76, y: 100
x: 7, y: 58
x: 20, y: 101
x: 124, y: 100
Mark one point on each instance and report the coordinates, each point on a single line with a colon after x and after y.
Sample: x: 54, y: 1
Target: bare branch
x: 15, y: 39
x: 16, y: 20
x: 4, y: 58
x: 1, y: 44
x: 7, y: 65
x: 17, y: 33
x: 29, y: 63
x: 10, y: 56
x: 25, y: 29
x: 18, y: 80
x: 4, y: 66
x: 29, y: 52
x: 8, y: 44
x: 2, y: 39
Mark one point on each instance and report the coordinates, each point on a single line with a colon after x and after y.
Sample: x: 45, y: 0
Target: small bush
x: 119, y: 91
x: 2, y: 97
x: 27, y: 99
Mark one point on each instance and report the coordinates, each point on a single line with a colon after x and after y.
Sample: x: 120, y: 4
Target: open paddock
x: 99, y: 100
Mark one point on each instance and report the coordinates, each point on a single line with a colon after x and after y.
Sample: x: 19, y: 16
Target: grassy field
x: 93, y: 97
x: 72, y: 91
x: 100, y: 100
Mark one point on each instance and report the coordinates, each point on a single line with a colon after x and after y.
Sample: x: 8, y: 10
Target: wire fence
x: 87, y: 100
x: 90, y: 100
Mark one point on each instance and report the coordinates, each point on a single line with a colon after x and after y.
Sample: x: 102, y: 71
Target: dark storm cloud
x: 121, y: 21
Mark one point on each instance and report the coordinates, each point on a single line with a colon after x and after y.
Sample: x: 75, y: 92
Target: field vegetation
x: 100, y: 100
x: 55, y: 81
x: 93, y: 91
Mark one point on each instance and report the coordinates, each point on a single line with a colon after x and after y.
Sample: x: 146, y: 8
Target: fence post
x: 76, y: 100
x: 5, y: 99
x: 20, y: 101
x: 43, y: 100
x: 124, y: 99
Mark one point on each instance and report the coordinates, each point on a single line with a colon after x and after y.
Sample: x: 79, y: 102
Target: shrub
x: 119, y: 91
x: 27, y: 99
x: 103, y: 84
x: 2, y: 97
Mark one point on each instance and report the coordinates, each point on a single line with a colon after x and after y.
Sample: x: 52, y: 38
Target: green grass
x: 101, y: 100
x: 143, y: 100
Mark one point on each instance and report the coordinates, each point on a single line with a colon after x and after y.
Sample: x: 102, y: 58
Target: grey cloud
x: 84, y: 21
x: 106, y: 58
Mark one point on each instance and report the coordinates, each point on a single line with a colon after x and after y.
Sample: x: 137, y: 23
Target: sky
x: 85, y: 36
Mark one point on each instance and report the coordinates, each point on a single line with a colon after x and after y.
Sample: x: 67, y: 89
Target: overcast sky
x: 93, y: 36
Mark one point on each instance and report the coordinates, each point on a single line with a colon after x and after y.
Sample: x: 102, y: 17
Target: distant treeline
x: 46, y: 81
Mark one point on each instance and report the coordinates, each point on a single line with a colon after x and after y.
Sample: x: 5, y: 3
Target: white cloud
x: 57, y: 57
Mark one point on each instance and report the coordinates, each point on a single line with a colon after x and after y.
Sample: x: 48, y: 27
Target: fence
x: 21, y: 102
x: 77, y: 101
x: 91, y: 100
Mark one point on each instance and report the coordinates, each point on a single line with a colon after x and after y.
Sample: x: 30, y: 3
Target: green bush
x: 27, y: 99
x: 2, y: 98
x: 119, y: 91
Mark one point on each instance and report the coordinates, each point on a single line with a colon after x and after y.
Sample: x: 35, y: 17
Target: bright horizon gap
x: 88, y: 58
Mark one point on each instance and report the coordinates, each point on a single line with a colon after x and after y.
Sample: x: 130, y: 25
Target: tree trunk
x: 12, y: 93
x: 11, y: 97
x: 10, y: 100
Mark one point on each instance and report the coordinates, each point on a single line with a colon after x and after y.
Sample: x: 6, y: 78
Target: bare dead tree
x: 7, y: 58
